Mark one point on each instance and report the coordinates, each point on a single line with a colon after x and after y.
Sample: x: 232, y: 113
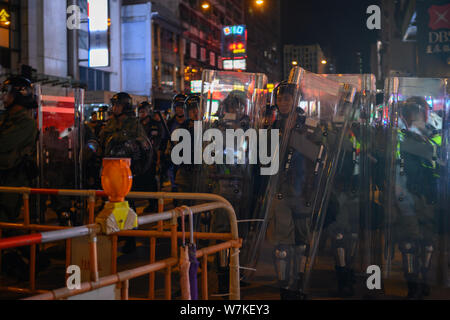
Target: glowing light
x: 4, y: 18
x: 98, y: 15
x: 205, y: 5
x: 239, y: 30
x: 259, y: 2
x: 98, y: 58
x: 294, y: 63
x: 324, y: 61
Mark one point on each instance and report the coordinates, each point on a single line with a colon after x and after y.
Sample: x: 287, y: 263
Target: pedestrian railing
x: 40, y: 234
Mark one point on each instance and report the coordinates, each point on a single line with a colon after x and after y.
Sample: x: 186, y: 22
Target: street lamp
x: 324, y: 61
x: 259, y: 2
x: 205, y: 6
x: 294, y: 63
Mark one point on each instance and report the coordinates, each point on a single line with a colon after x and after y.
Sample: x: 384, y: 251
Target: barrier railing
x: 54, y: 233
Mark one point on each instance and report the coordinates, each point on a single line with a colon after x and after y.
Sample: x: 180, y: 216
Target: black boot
x: 345, y: 281
x: 286, y: 294
x: 425, y: 289
x: 414, y: 290
x: 299, y: 293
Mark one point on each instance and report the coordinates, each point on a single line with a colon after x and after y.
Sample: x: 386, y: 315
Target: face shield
x: 193, y: 108
x: 283, y: 98
x: 234, y: 110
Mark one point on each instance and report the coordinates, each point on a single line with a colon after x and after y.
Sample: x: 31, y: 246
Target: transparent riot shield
x: 352, y: 222
x: 312, y: 117
x: 95, y: 116
x: 416, y: 198
x: 60, y: 118
x: 231, y: 105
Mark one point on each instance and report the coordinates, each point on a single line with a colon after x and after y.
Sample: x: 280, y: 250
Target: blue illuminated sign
x: 234, y: 30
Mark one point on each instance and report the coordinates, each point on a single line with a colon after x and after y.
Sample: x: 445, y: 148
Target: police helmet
x: 235, y: 103
x: 145, y: 105
x: 193, y: 101
x: 20, y: 87
x: 124, y: 99
x: 178, y: 101
x: 281, y: 88
x: 415, y: 106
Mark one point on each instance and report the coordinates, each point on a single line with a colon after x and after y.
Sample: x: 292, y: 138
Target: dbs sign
x: 439, y: 17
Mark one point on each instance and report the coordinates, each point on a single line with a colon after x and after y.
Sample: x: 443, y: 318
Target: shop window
x: 96, y: 80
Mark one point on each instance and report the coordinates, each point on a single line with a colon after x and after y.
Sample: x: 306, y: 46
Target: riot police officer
x: 228, y: 180
x: 416, y: 193
x: 18, y: 136
x: 177, y: 121
x: 124, y: 137
x: 94, y: 124
x: 289, y: 222
x: 154, y: 131
x: 186, y: 172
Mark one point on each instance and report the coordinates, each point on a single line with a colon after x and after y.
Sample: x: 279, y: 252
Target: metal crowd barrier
x: 40, y: 234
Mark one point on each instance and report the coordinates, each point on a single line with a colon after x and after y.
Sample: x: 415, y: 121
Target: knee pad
x: 409, y: 252
x: 407, y: 247
x: 428, y: 254
x: 339, y: 243
x: 282, y: 256
x: 300, y: 258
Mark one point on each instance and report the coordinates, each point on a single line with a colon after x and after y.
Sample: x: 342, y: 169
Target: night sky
x: 339, y: 26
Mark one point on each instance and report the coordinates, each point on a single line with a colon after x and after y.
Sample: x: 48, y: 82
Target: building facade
x: 55, y: 40
x: 9, y: 34
x: 414, y: 39
x: 308, y: 57
x: 196, y: 46
x: 149, y: 48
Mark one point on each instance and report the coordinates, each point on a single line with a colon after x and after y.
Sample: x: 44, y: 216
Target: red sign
x: 439, y: 17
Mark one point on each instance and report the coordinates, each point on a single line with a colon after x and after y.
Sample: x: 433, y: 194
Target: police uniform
x: 148, y: 181
x: 289, y: 219
x: 18, y: 135
x: 344, y: 211
x: 186, y: 173
x: 416, y: 197
x: 173, y: 125
x: 120, y: 130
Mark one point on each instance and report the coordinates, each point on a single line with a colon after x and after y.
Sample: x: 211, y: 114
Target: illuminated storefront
x: 7, y: 32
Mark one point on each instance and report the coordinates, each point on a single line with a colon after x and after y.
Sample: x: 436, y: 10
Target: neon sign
x: 237, y: 47
x: 234, y: 43
x: 4, y: 18
x: 234, y: 30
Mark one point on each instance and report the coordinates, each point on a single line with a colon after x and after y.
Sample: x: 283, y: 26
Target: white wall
x: 46, y: 34
x: 137, y: 49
